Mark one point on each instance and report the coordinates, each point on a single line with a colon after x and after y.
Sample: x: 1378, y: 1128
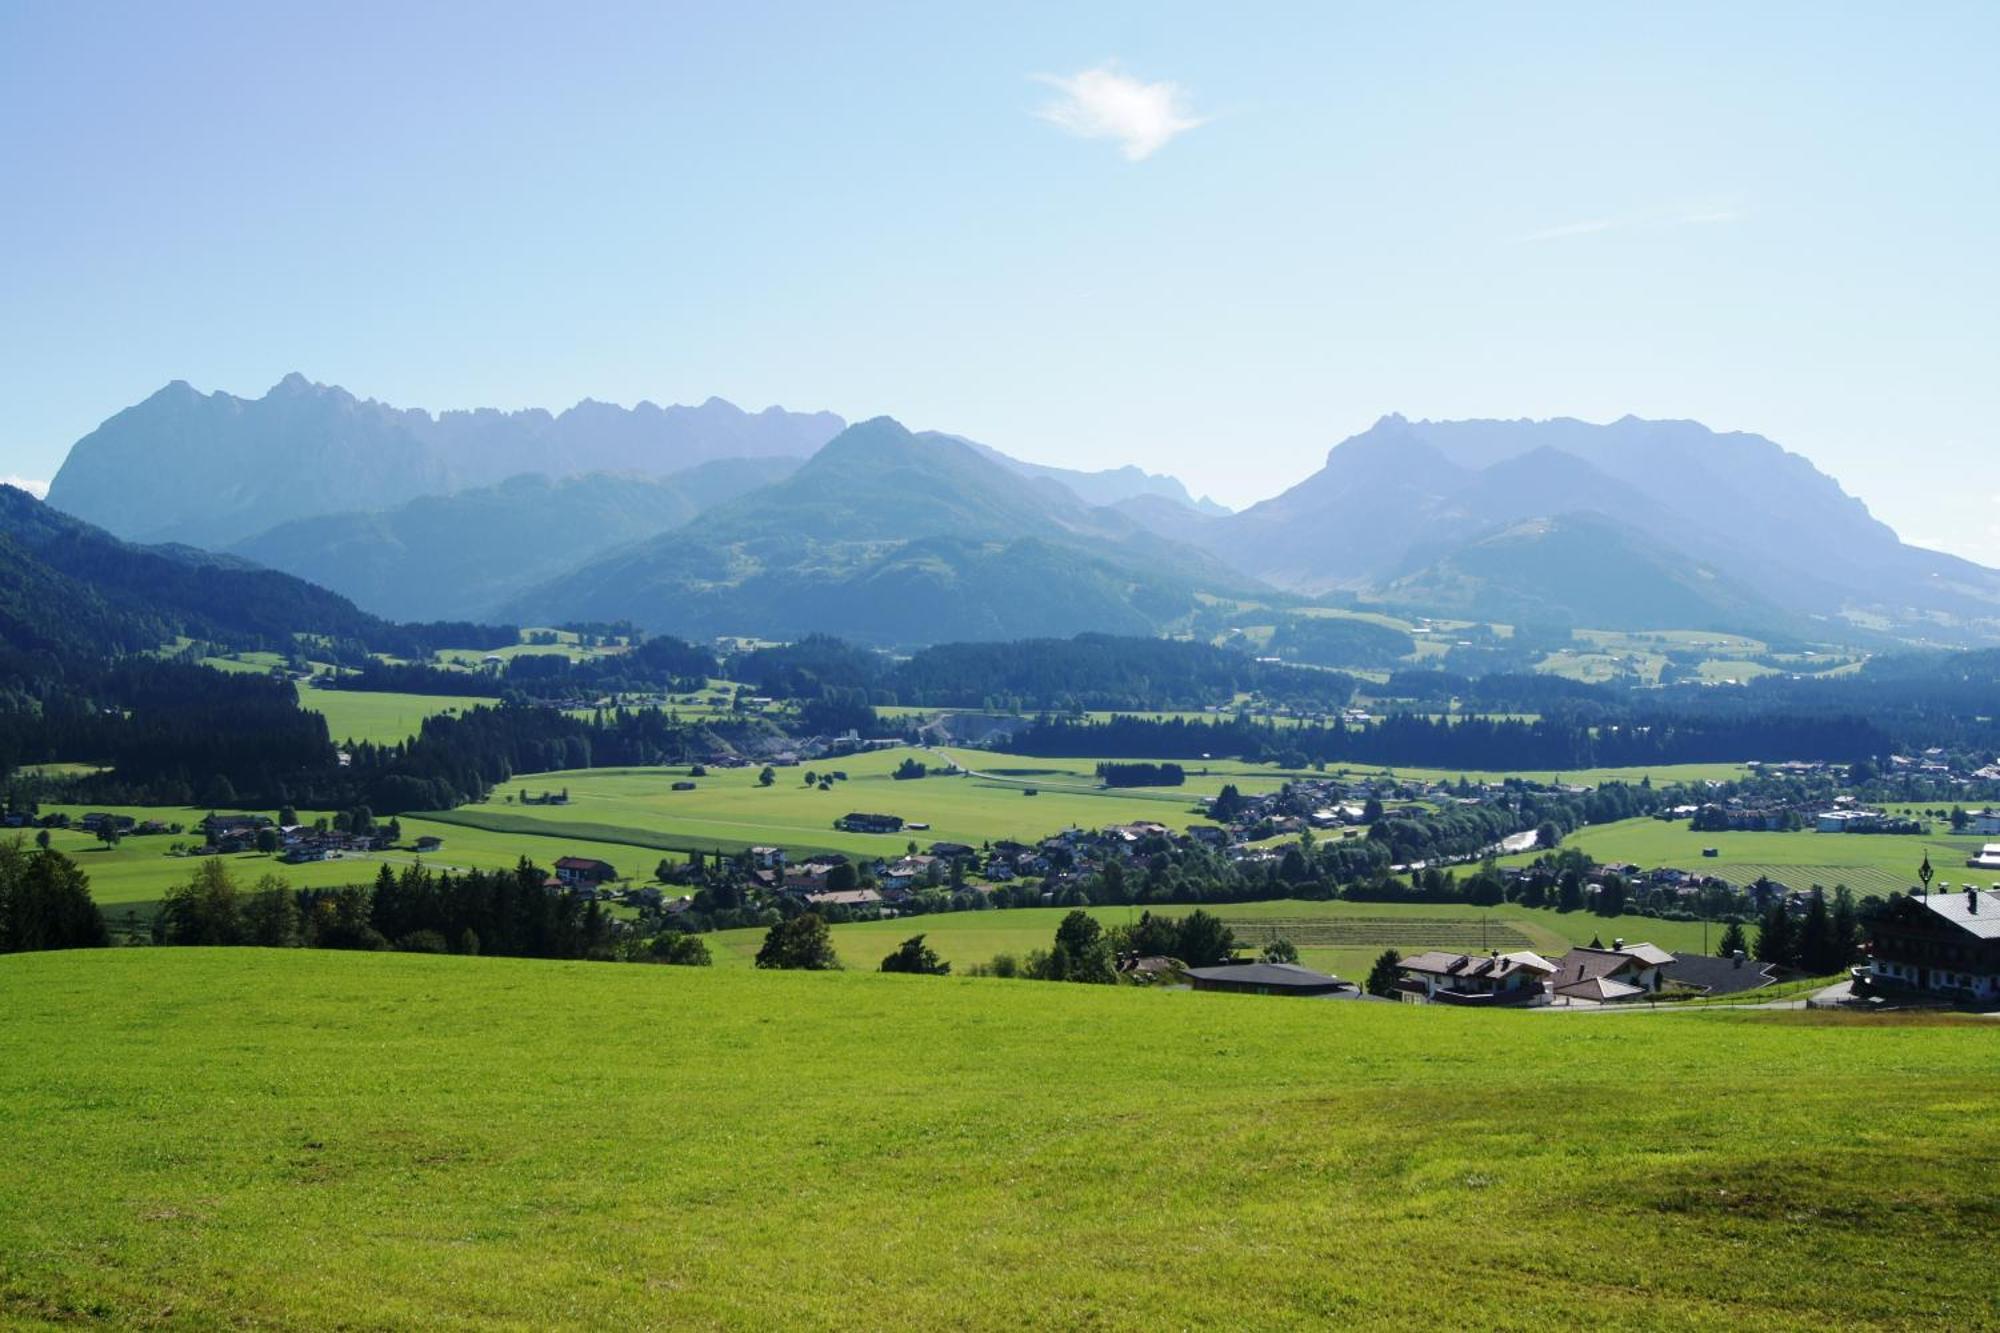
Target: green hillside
x: 892, y: 537
x: 313, y: 1140
x: 1584, y: 569
x: 75, y: 590
x: 455, y: 557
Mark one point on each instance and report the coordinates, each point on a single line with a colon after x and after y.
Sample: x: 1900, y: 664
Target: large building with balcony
x: 1945, y: 944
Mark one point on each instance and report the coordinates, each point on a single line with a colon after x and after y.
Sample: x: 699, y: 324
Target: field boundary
x: 617, y: 834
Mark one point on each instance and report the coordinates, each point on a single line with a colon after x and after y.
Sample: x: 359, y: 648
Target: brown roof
x: 1440, y: 963
x: 1600, y: 988
x: 846, y: 897
x: 1584, y: 964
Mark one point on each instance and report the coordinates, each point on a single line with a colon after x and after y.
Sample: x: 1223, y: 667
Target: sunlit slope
x: 311, y: 1140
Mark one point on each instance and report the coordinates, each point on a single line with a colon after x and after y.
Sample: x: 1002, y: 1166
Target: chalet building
x: 219, y: 827
x: 1622, y: 972
x: 1985, y: 824
x: 1476, y: 979
x: 845, y: 898
x: 858, y: 822
x: 1988, y: 858
x: 908, y: 872
x: 811, y: 877
x: 767, y: 858
x: 1266, y: 979
x: 1945, y: 944
x: 579, y: 871
x: 96, y: 820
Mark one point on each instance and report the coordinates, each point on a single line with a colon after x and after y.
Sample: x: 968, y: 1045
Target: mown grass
x: 728, y: 810
x: 1207, y: 775
x: 1340, y: 937
x: 309, y: 1140
x: 133, y: 876
x: 379, y: 716
x: 1865, y: 862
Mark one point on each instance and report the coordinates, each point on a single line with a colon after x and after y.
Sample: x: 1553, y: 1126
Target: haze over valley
x: 713, y: 520
x: 1110, y: 667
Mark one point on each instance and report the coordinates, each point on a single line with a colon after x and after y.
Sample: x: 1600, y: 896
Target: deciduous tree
x: 801, y: 944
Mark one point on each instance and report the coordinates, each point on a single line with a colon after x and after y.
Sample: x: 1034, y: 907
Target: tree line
x: 1087, y: 672
x: 1458, y: 743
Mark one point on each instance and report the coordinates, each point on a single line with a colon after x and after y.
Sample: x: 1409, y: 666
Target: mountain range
x: 213, y: 469
x: 1776, y: 535
x: 218, y: 469
x: 72, y: 591
x: 461, y: 556
x: 711, y: 520
x: 889, y: 536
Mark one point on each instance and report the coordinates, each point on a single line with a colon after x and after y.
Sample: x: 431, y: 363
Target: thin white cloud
x: 1102, y: 103
x: 38, y: 489
x: 1706, y: 217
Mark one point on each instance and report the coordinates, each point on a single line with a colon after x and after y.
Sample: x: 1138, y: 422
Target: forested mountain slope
x: 460, y: 556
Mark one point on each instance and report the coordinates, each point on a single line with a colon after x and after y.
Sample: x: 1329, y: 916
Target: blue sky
x: 1210, y: 240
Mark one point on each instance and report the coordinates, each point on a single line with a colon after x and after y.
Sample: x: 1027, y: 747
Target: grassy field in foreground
x: 1343, y: 938
x: 313, y: 1140
x: 1865, y: 862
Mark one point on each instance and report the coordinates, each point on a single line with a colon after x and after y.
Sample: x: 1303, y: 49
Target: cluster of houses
x: 1584, y: 977
x: 296, y: 844
x: 1844, y: 815
x: 1323, y: 804
x: 1935, y: 764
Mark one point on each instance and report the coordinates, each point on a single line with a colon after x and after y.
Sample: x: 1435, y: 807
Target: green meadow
x: 1340, y: 937
x: 1208, y: 775
x: 136, y: 874
x: 312, y: 1140
x: 1865, y: 862
x: 379, y: 716
x: 728, y: 810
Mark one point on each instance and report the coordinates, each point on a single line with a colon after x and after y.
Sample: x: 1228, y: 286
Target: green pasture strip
x: 484, y: 817
x: 307, y: 1140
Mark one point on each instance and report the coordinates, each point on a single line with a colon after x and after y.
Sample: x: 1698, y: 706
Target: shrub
x: 680, y: 950
x: 913, y: 955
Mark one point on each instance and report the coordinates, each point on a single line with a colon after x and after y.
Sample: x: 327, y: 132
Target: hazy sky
x: 1212, y: 240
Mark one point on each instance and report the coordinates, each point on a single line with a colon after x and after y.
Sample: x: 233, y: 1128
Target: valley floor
x: 310, y: 1140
